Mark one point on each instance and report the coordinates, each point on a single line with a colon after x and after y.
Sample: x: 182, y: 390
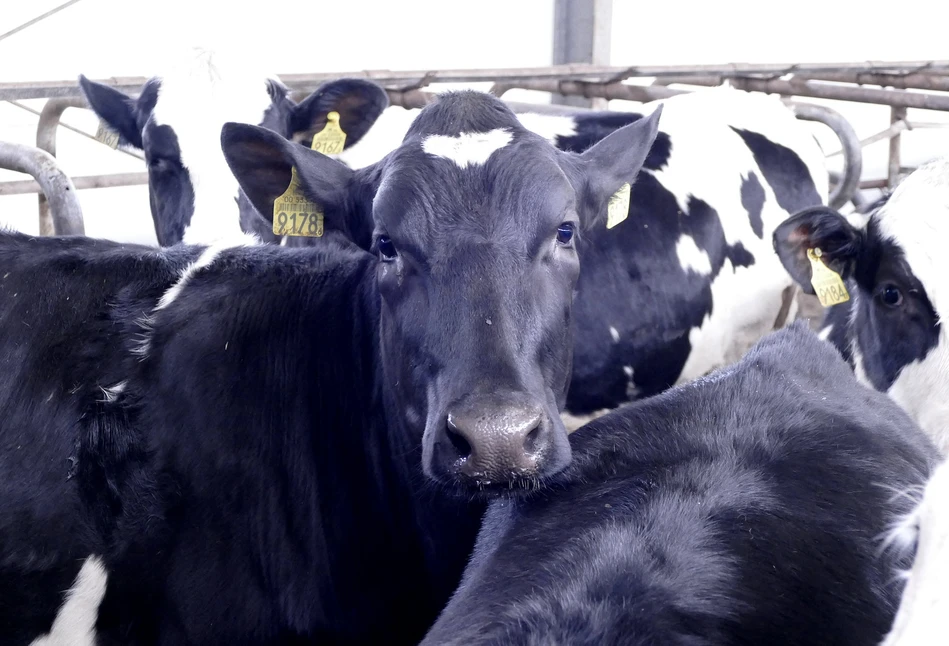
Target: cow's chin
x: 520, y: 487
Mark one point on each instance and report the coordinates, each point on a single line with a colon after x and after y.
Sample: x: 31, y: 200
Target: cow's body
x: 247, y: 444
x: 690, y: 281
x: 748, y: 507
x: 891, y: 329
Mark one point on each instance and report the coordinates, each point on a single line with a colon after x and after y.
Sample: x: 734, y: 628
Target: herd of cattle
x: 362, y: 430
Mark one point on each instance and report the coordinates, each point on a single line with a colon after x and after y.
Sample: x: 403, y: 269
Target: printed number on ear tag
x: 827, y: 283
x: 294, y: 214
x: 106, y: 136
x: 331, y: 139
x: 618, y: 209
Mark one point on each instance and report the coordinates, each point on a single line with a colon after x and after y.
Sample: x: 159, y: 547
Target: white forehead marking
x: 691, y: 257
x: 200, y: 93
x: 916, y: 218
x: 549, y: 126
x: 468, y: 148
x: 75, y: 623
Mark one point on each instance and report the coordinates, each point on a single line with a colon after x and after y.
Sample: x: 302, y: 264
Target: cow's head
x: 474, y: 222
x: 897, y: 272
x: 177, y: 118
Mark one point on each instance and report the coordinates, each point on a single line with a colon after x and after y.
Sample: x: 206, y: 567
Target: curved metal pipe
x: 46, y: 140
x: 59, y: 189
x: 850, y: 145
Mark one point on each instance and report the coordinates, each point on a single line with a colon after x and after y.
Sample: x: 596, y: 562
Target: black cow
x: 749, y: 507
x: 230, y: 444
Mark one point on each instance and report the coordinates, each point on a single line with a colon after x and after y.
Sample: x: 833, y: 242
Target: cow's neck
x: 410, y: 539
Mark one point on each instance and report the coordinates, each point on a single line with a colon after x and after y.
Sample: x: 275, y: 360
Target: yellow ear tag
x: 618, y: 209
x: 106, y: 136
x: 294, y: 215
x: 827, y: 284
x: 331, y: 139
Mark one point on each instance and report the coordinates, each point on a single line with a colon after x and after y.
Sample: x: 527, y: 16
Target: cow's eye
x: 386, y: 248
x: 891, y: 296
x: 565, y: 233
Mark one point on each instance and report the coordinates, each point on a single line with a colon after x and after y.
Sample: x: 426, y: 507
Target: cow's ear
x: 358, y: 103
x: 817, y: 227
x: 116, y: 109
x: 262, y: 161
x: 614, y: 161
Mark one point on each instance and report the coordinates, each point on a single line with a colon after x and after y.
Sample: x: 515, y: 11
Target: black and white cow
x: 177, y: 118
x: 750, y: 506
x: 689, y: 281
x: 250, y: 444
x: 892, y: 329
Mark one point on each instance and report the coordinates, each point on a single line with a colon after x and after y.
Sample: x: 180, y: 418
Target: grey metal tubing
x: 59, y: 189
x: 597, y: 73
x: 81, y: 182
x: 850, y: 145
x: 46, y: 131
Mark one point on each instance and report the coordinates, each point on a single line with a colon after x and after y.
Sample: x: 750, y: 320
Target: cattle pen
x: 900, y: 85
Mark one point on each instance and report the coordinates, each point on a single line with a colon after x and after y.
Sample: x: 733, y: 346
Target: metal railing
x: 66, y: 214
x: 837, y: 81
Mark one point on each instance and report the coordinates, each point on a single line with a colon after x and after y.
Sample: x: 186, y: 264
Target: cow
x: 246, y: 443
x: 177, y: 118
x: 688, y: 281
x: 891, y: 327
x: 925, y: 532
x: 750, y: 506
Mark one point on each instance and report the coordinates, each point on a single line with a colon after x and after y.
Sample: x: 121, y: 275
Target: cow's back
x: 749, y: 507
x: 689, y: 281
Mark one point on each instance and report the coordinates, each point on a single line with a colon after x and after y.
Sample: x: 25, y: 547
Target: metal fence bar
x: 903, y: 81
x: 81, y: 182
x: 825, y: 90
x: 46, y: 140
x: 402, y: 79
x: 59, y: 190
x: 849, y: 181
x: 893, y: 168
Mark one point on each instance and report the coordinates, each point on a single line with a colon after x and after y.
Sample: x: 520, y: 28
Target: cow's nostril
x: 532, y: 440
x: 458, y: 441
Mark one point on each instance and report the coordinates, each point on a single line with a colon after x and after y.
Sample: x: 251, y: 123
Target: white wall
x: 102, y: 38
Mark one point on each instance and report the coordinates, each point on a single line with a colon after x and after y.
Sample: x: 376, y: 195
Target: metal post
x: 893, y: 170
x: 59, y: 190
x: 847, y: 184
x: 582, y: 30
x: 46, y: 140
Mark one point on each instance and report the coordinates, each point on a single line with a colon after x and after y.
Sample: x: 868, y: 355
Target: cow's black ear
x: 358, y: 102
x: 116, y: 109
x: 262, y: 161
x: 818, y: 227
x: 614, y: 161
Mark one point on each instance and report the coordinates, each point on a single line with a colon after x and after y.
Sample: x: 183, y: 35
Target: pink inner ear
x: 799, y: 236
